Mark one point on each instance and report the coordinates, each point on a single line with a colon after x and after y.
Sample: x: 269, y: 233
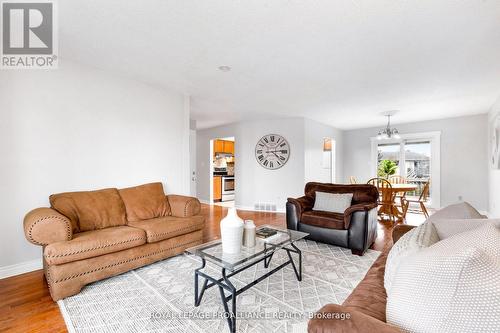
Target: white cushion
x: 332, y: 202
x: 413, y: 241
x: 448, y: 227
x: 451, y: 286
x: 462, y: 210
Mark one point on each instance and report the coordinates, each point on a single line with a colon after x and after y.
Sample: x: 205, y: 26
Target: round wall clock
x: 272, y: 151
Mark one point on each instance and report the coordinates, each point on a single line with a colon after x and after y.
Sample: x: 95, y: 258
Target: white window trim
x: 435, y: 139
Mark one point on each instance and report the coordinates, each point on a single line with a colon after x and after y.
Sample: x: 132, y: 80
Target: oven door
x: 227, y: 188
x: 227, y: 185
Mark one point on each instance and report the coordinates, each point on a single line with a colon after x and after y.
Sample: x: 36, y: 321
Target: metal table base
x: 225, y: 284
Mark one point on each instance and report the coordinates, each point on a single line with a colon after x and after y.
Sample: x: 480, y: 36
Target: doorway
x: 222, y: 176
x: 329, y: 153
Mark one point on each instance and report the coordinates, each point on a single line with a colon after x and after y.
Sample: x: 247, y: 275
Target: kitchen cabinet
x: 217, y: 189
x: 229, y: 147
x: 218, y: 146
x: 223, y: 146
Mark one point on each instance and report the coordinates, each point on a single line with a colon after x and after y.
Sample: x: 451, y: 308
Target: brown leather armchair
x: 355, y: 229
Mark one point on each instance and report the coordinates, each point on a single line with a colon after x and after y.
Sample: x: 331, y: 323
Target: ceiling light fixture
x: 224, y: 68
x: 388, y: 132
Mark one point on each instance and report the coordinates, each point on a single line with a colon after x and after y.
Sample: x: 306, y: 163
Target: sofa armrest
x: 43, y: 226
x: 357, y: 208
x: 400, y: 230
x: 341, y: 319
x: 301, y: 204
x: 294, y: 210
x: 183, y: 206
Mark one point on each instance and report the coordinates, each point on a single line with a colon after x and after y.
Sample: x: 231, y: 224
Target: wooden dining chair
x: 387, y: 197
x: 421, y: 200
x: 397, y: 179
x: 353, y: 180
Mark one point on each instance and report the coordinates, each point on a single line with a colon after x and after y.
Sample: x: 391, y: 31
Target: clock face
x: 272, y: 151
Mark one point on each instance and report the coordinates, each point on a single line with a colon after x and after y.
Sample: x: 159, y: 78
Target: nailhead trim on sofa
x: 91, y: 249
x: 126, y: 261
x: 45, y: 218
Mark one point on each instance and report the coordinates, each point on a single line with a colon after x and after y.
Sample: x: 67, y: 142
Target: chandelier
x: 388, y: 132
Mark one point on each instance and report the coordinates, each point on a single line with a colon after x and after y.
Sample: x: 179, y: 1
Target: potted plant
x: 387, y: 168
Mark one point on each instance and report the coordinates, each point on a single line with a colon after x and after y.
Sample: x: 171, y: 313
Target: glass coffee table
x: 231, y: 264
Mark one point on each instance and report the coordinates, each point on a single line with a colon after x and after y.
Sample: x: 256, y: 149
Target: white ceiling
x: 338, y: 62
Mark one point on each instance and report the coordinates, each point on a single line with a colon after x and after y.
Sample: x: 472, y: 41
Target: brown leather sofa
x: 355, y: 229
x: 89, y: 236
x: 365, y: 306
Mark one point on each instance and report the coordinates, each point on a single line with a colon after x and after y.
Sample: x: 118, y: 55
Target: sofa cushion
x: 323, y: 219
x: 91, y: 210
x: 94, y: 243
x: 332, y: 202
x: 369, y: 296
x: 145, y: 202
x: 451, y: 286
x: 449, y: 227
x: 413, y: 241
x: 167, y: 227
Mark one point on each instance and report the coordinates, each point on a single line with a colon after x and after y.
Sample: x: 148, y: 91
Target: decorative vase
x: 249, y: 231
x: 231, y: 230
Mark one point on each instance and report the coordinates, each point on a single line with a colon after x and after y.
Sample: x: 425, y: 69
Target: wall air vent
x: 265, y: 206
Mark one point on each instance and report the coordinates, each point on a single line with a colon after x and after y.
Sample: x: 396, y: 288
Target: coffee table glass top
x: 212, y: 251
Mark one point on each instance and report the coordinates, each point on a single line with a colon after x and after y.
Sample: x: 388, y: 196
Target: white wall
x: 493, y: 175
x: 253, y: 182
x: 315, y: 132
x: 77, y: 128
x: 464, y: 158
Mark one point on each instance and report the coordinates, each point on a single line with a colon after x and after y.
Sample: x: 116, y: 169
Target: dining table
x: 389, y: 195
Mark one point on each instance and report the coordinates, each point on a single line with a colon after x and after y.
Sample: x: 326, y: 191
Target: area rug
x: 159, y: 297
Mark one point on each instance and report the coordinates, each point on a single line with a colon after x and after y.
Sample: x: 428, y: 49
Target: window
x: 417, y: 164
x: 417, y: 159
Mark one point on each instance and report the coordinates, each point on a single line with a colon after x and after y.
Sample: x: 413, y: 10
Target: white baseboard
x: 21, y: 268
x: 252, y: 209
x: 206, y: 202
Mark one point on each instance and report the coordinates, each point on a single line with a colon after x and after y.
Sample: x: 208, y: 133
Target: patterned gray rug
x: 159, y: 297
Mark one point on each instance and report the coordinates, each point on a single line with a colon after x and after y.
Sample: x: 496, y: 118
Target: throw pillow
x: 448, y: 227
x: 145, y: 202
x: 332, y: 202
x: 413, y: 241
x: 462, y: 210
x: 451, y: 286
x: 91, y: 210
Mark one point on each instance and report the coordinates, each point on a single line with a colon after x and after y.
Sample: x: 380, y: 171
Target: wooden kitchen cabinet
x: 229, y: 147
x: 217, y: 188
x: 223, y: 146
x: 218, y: 146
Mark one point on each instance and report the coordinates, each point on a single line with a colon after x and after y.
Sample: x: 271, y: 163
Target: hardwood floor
x: 26, y: 306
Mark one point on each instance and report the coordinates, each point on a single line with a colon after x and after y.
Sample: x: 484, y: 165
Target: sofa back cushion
x: 361, y: 193
x: 451, y: 286
x: 145, y: 202
x: 91, y: 210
